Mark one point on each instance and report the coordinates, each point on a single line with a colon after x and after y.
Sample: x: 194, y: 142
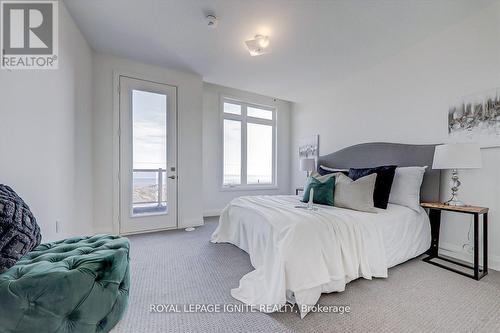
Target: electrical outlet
x: 468, y: 248
x: 58, y: 226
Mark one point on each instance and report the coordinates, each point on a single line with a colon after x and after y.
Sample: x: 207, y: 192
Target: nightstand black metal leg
x: 476, y: 246
x: 435, y: 219
x: 485, y: 243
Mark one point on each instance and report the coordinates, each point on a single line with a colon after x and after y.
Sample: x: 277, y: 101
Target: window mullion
x: 244, y: 144
x: 274, y: 152
x: 260, y: 121
x: 231, y: 116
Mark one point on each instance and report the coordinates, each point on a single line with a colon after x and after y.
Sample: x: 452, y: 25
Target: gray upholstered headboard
x: 374, y: 154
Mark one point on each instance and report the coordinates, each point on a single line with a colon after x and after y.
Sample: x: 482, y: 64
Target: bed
x: 299, y: 254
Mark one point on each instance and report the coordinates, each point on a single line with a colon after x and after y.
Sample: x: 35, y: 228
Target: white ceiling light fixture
x: 258, y: 46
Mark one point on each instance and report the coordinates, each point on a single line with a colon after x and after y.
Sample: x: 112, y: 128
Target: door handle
x: 172, y: 177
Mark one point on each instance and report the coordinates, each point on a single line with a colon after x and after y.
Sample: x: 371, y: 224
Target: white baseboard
x: 457, y: 252
x: 190, y: 223
x: 212, y: 212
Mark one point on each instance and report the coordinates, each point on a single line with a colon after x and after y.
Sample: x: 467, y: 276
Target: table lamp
x: 307, y: 164
x: 456, y: 156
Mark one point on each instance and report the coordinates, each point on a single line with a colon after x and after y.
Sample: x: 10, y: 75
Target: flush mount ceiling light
x: 258, y: 46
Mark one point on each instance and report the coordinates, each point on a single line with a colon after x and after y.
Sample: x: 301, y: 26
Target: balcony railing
x: 149, y: 191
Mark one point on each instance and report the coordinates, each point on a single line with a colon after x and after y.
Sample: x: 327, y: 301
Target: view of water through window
x: 149, y: 119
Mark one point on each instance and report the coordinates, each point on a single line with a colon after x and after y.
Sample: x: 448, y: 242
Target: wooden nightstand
x: 435, y: 209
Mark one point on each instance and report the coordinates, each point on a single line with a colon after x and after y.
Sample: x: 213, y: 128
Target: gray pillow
x: 356, y: 195
x: 323, y: 178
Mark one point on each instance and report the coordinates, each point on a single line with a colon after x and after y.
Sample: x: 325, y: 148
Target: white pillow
x: 405, y: 189
x: 355, y: 194
x: 332, y: 169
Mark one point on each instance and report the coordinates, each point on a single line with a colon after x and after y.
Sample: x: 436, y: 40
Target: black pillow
x: 19, y: 232
x: 323, y: 172
x: 383, y: 184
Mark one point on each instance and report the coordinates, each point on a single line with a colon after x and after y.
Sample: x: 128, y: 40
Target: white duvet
x: 304, y: 252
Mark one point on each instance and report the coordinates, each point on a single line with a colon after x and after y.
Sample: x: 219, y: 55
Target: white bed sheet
x: 406, y: 233
x: 299, y: 254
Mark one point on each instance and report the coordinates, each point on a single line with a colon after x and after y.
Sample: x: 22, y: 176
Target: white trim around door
x: 126, y: 219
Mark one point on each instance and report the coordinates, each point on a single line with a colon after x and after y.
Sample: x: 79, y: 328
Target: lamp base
x: 455, y: 202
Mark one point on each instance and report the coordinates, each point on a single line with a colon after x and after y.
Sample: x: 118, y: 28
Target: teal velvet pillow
x: 323, y: 191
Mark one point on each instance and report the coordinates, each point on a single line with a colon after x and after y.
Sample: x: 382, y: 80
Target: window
x: 149, y: 152
x: 249, y: 140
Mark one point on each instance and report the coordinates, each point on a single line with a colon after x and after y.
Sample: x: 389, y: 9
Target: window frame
x: 244, y: 119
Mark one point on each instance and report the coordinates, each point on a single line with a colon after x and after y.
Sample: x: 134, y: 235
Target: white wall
x: 46, y: 135
x: 215, y: 199
x: 405, y: 99
x: 189, y: 104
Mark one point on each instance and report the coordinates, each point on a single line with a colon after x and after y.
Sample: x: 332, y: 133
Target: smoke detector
x: 211, y: 20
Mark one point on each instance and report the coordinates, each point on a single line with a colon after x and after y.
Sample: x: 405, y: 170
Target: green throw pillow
x: 323, y: 191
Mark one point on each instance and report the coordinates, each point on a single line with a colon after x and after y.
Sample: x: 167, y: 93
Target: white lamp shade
x: 457, y: 156
x: 307, y: 164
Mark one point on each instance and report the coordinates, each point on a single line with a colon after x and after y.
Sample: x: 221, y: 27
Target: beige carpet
x: 178, y: 267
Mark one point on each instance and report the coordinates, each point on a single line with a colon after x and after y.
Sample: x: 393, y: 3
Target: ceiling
x: 313, y: 43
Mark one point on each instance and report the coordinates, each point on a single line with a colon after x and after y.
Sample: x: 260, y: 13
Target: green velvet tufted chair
x: 75, y: 285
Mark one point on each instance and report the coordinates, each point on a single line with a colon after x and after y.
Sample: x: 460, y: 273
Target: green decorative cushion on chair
x: 75, y: 285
